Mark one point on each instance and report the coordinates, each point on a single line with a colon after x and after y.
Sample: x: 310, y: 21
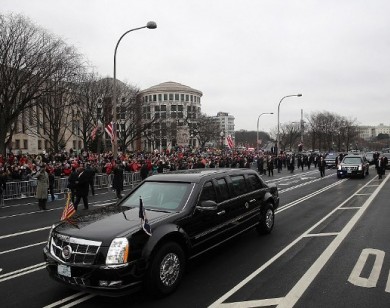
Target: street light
x: 149, y: 25
x: 257, y: 133
x: 278, y: 137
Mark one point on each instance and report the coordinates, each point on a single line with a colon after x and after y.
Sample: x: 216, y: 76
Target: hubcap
x: 269, y: 218
x: 169, y: 269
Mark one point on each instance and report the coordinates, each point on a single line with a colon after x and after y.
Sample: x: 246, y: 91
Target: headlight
x: 360, y: 167
x: 49, y: 238
x: 339, y: 167
x: 118, y: 251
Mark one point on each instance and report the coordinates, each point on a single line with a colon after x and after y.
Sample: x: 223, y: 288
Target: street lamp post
x: 149, y: 25
x: 278, y: 137
x: 257, y: 132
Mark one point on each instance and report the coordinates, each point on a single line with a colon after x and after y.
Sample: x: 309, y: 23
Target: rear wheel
x: 267, y: 220
x: 166, y: 269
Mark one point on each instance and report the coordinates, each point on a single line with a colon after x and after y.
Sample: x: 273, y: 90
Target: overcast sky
x: 243, y: 55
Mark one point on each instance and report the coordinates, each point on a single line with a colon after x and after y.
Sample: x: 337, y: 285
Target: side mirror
x: 207, y: 205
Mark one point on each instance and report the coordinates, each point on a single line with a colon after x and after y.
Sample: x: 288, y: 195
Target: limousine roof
x: 195, y: 175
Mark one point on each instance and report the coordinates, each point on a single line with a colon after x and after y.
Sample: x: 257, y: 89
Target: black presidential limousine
x: 116, y: 249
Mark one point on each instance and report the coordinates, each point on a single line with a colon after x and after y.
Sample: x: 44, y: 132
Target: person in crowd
x: 292, y: 163
x: 322, y: 166
x: 42, y: 186
x: 259, y: 163
x: 82, y: 188
x: 381, y: 166
x: 270, y: 165
x: 144, y: 172
x: 91, y: 175
x: 117, y: 181
x: 51, y: 184
x: 72, y: 183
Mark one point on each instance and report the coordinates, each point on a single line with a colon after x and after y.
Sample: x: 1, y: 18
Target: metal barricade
x: 136, y: 179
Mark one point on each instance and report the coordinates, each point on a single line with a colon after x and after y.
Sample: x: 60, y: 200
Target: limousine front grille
x: 74, y: 250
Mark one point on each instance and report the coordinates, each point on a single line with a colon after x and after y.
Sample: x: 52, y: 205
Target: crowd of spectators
x: 22, y: 167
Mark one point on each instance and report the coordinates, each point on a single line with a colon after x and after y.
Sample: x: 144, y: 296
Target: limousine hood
x: 106, y: 223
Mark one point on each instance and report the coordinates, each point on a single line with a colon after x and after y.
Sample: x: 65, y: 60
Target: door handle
x: 221, y: 212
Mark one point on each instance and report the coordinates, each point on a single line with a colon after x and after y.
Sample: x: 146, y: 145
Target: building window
x: 192, y: 98
x: 17, y: 143
x: 154, y: 98
x: 187, y: 97
x: 170, y: 96
x: 188, y: 108
x: 146, y: 99
x: 25, y: 144
x: 157, y: 108
x: 176, y: 96
x: 163, y: 107
x: 39, y: 144
x: 165, y: 97
x: 182, y: 97
x: 173, y: 108
x: 159, y: 97
x: 180, y: 107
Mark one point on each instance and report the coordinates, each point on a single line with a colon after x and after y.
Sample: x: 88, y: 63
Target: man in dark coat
x: 72, y: 183
x: 322, y: 166
x: 117, y: 181
x: 144, y: 172
x: 91, y: 174
x: 82, y: 188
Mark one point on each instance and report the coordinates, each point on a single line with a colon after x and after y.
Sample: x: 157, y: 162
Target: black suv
x: 353, y: 165
x: 116, y: 249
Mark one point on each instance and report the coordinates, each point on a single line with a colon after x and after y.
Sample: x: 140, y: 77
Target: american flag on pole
x: 144, y: 221
x: 110, y: 130
x: 94, y: 131
x: 69, y: 209
x: 229, y: 141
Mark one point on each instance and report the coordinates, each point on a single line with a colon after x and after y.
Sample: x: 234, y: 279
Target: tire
x: 267, y: 220
x: 166, y: 269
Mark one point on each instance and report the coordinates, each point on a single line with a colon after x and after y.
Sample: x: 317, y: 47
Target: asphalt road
x: 330, y: 248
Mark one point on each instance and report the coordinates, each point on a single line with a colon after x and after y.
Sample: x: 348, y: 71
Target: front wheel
x: 166, y: 269
x: 267, y: 220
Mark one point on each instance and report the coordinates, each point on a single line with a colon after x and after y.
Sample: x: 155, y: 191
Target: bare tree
x: 205, y: 129
x: 30, y: 59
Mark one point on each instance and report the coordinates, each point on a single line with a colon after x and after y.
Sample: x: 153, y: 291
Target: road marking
x: 23, y: 247
x: 301, y: 286
x: 255, y: 303
x: 66, y: 299
x: 24, y: 232
x: 297, y: 291
x: 80, y: 300
x: 372, y: 279
x: 23, y: 271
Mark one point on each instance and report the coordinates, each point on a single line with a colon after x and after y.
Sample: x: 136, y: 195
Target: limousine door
x: 207, y: 222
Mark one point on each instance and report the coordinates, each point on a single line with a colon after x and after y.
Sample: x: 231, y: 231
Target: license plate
x: 64, y: 270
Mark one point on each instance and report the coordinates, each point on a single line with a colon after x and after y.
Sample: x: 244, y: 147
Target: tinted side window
x: 255, y: 181
x: 239, y: 185
x: 223, y: 189
x: 208, y: 192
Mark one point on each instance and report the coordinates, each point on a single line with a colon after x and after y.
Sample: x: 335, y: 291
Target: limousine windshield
x: 165, y: 196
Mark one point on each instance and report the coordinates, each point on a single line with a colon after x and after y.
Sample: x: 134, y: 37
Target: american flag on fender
x: 69, y: 209
x: 229, y: 141
x: 110, y: 130
x: 144, y: 221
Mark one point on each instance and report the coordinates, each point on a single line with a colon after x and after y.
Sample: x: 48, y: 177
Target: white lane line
x: 321, y: 234
x: 31, y: 213
x: 224, y: 297
x: 64, y: 300
x: 255, y: 303
x: 80, y: 300
x: 24, y: 232
x: 23, y: 271
x: 307, y: 183
x: 23, y: 247
x: 295, y: 202
x: 301, y: 286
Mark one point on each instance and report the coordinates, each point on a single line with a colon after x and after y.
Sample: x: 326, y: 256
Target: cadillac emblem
x: 247, y: 205
x: 67, y: 252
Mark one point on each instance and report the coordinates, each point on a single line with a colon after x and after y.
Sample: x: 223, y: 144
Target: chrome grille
x: 73, y: 250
